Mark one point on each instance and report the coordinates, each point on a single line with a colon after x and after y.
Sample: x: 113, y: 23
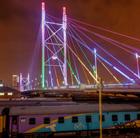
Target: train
x: 78, y: 118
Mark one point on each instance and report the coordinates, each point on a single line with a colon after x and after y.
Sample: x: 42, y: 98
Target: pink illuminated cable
x: 53, y: 30
x: 69, y: 60
x: 107, y: 53
x: 103, y: 29
x: 73, y: 44
x: 100, y: 28
x: 71, y: 76
x: 71, y: 68
x: 72, y: 32
x: 56, y: 72
x: 116, y: 79
x: 83, y: 65
x: 55, y: 38
x: 86, y: 59
x: 101, y: 36
x: 68, y: 63
x: 109, y: 72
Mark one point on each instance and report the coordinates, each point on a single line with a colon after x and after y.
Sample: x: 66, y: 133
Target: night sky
x: 20, y: 21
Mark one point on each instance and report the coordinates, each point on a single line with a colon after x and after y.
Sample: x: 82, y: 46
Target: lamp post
x: 100, y: 87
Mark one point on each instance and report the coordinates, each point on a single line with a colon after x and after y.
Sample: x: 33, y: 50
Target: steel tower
x: 63, y: 42
x: 43, y: 45
x: 65, y: 45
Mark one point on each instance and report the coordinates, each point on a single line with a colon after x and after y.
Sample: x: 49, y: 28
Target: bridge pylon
x: 24, y: 82
x: 55, y: 48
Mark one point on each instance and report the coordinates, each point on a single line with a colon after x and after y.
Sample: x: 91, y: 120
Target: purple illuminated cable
x: 114, y: 42
x: 84, y: 29
x: 70, y: 65
x: 54, y: 19
x: 82, y: 53
x: 57, y: 81
x: 103, y: 29
x: 56, y: 54
x: 81, y: 62
x: 53, y: 33
x: 47, y: 77
x: 81, y: 48
x: 115, y: 68
x: 116, y: 79
x: 76, y: 70
x: 35, y: 54
x: 108, y: 53
x: 56, y: 50
x: 113, y: 75
x: 99, y: 35
x: 132, y: 80
x: 103, y: 64
x: 83, y: 68
x: 69, y: 60
x: 107, y: 62
x: 50, y: 69
x: 75, y: 64
x: 115, y: 58
x: 112, y: 66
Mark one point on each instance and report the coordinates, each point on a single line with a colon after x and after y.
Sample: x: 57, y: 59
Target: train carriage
x: 2, y: 122
x: 73, y: 118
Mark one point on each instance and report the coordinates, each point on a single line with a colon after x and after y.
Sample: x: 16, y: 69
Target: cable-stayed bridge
x: 76, y: 55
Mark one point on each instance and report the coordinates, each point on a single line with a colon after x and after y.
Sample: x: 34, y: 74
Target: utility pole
x: 100, y: 87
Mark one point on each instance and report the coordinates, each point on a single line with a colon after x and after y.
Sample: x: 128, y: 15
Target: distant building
x: 15, y: 81
x: 1, y: 83
x: 8, y: 93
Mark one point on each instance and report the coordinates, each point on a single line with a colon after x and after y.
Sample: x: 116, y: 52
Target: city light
x: 2, y: 93
x: 9, y: 93
x: 1, y: 85
x: 54, y: 57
